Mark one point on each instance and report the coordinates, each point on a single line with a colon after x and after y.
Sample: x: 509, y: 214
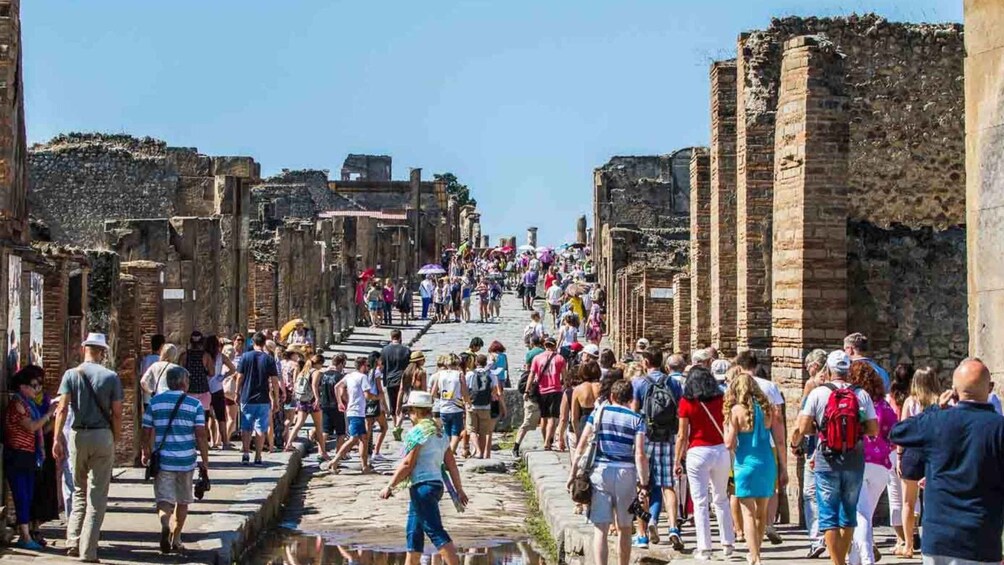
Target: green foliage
x: 536, y: 526
x: 454, y: 188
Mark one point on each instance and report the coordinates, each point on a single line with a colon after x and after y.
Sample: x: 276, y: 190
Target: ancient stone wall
x: 13, y: 145
x: 682, y: 321
x: 723, y: 206
x: 700, y: 251
x: 656, y: 315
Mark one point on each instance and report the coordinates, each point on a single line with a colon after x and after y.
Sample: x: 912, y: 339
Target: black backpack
x: 481, y: 392
x: 659, y: 410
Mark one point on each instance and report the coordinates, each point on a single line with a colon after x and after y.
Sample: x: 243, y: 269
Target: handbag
x: 582, y: 485
x: 153, y: 467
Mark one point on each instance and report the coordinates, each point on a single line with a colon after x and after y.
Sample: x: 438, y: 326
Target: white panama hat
x: 419, y: 399
x: 96, y: 340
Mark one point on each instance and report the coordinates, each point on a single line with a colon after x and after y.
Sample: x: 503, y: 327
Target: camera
x: 639, y: 510
x: 202, y: 485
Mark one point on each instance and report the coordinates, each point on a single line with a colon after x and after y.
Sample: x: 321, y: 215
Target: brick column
x: 127, y: 357
x: 263, y: 296
x: 810, y: 209
x: 723, y: 206
x: 656, y: 294
x: 700, y: 249
x: 55, y: 307
x: 754, y: 202
x: 149, y: 296
x: 682, y: 321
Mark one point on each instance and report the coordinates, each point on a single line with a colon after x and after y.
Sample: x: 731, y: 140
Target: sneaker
x: 257, y: 461
x: 73, y: 552
x: 29, y: 544
x: 675, y: 540
x: 653, y: 534
x: 702, y: 555
x: 246, y: 458
x: 773, y: 536
x: 728, y: 550
x: 816, y: 550
x: 639, y: 542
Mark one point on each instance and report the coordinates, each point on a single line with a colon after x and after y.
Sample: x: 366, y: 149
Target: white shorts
x: 174, y: 487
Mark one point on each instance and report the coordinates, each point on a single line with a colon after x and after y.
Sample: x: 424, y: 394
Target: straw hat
x: 419, y: 399
x: 417, y: 357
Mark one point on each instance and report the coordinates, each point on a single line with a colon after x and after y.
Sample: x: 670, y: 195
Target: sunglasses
x: 35, y: 385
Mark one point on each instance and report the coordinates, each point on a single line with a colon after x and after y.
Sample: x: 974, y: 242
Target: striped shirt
x: 616, y: 432
x: 179, y: 450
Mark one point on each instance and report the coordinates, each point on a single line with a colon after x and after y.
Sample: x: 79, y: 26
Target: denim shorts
x: 254, y: 418
x: 613, y: 492
x: 453, y: 423
x: 357, y: 426
x: 837, y: 498
x: 424, y: 518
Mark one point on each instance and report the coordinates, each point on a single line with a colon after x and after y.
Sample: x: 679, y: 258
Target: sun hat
x: 641, y: 345
x: 591, y: 349
x: 839, y: 362
x: 416, y: 356
x: 96, y: 340
x: 719, y: 367
x: 419, y: 399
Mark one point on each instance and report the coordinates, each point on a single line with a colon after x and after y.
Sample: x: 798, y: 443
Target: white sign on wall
x: 174, y: 294
x: 661, y: 293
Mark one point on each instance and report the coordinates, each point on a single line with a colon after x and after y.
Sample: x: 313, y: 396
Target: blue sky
x: 520, y: 99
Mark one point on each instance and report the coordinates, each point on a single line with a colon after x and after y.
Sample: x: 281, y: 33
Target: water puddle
x: 289, y: 547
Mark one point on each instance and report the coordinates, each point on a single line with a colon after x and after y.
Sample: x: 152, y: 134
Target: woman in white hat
x: 426, y: 450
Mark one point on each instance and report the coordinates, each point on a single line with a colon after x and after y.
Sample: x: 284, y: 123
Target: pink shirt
x: 550, y: 380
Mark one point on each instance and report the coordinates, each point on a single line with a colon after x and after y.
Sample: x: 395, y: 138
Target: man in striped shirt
x: 176, y: 442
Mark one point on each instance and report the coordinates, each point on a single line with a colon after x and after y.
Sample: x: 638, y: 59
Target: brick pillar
x: 810, y: 210
x: 723, y: 206
x: 263, y: 299
x: 700, y: 248
x: 754, y: 203
x: 127, y: 356
x: 149, y: 296
x: 657, y: 316
x: 55, y: 308
x: 682, y: 321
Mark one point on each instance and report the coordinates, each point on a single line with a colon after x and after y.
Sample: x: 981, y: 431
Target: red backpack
x: 840, y: 430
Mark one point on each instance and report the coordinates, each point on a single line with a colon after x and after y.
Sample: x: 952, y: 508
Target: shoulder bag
x: 94, y: 395
x: 732, y: 456
x: 153, y: 467
x: 582, y: 485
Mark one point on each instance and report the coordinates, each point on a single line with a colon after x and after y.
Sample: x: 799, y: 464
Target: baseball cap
x: 641, y: 345
x: 838, y: 362
x: 591, y: 349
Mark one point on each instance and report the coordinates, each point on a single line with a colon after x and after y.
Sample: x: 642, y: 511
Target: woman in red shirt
x: 702, y: 438
x: 24, y: 447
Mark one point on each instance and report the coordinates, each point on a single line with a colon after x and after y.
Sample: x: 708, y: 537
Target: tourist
x: 595, y: 324
x: 396, y: 359
x: 45, y: 502
x: 95, y: 395
x: 676, y: 365
x: 388, y: 299
x: 839, y: 467
x: 153, y: 382
x: 656, y: 398
x: 332, y: 417
x: 553, y: 296
x: 289, y: 368
x: 565, y: 433
x: 925, y: 390
x: 584, y: 397
x: 747, y: 360
x: 877, y: 463
x: 568, y: 334
x: 455, y: 300
x: 352, y: 392
x: 702, y: 438
x: 481, y: 290
x: 157, y: 341
x: 199, y: 365
x: 376, y: 406
x: 856, y: 346
x: 484, y: 389
x: 533, y: 329
x: 174, y: 429
x: 701, y: 357
x: 815, y: 366
x: 426, y: 290
x: 374, y: 303
x: 217, y: 399
x: 900, y: 383
x: 494, y: 298
x: 641, y: 345
x: 607, y: 361
x: 748, y: 416
x: 529, y: 288
x: 24, y: 448
x: 426, y: 454
x: 307, y: 394
x: 545, y: 373
x: 413, y: 378
x: 405, y: 301
x: 299, y: 335
x: 258, y: 390
x: 531, y: 394
x: 621, y: 472
x: 466, y: 288
x: 230, y: 396
x: 442, y: 297
x: 498, y: 361
x: 450, y: 387
x: 964, y: 463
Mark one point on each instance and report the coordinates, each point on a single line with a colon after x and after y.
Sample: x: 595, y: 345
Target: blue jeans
x: 426, y: 302
x: 424, y: 518
x: 837, y: 498
x: 453, y: 423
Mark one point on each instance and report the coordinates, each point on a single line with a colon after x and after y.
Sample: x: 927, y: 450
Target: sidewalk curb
x: 238, y: 529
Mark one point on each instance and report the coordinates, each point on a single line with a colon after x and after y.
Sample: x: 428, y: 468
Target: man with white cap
x: 591, y: 352
x: 641, y: 345
x: 95, y: 395
x: 839, y: 470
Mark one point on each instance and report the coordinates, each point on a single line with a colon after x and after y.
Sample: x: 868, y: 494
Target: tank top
x: 430, y: 460
x: 198, y: 380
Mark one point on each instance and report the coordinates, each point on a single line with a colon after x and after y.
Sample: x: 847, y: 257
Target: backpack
x: 303, y: 392
x: 659, y: 410
x: 481, y: 392
x: 840, y: 430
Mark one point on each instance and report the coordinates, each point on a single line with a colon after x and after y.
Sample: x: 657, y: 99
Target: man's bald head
x: 971, y: 380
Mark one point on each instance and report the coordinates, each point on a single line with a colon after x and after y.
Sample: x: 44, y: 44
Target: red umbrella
x: 368, y: 273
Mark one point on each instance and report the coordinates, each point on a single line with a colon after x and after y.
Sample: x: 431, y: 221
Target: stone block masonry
x: 699, y: 319
x: 810, y: 214
x: 722, y: 160
x: 682, y: 329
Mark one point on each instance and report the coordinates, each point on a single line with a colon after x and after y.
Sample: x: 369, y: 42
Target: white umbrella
x: 526, y: 247
x: 432, y: 269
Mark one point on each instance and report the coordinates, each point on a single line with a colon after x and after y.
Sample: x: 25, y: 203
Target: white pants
x: 809, y: 504
x: 709, y: 466
x: 875, y: 481
x: 895, y: 489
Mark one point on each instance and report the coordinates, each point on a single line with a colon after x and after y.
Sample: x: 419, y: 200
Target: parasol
x: 432, y: 269
x: 288, y: 328
x: 507, y: 249
x: 577, y: 245
x: 526, y: 248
